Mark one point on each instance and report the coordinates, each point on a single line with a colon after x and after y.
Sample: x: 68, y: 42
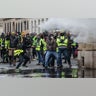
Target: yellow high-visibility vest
x: 73, y: 44
x: 62, y: 41
x: 18, y: 52
x: 7, y: 43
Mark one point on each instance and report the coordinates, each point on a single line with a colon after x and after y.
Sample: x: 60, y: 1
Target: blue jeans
x: 40, y: 57
x: 63, y: 51
x: 47, y: 56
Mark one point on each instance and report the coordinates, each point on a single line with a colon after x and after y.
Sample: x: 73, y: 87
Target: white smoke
x: 84, y: 29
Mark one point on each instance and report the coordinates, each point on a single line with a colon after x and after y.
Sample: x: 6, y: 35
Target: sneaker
x: 51, y: 67
x: 70, y: 66
x: 65, y: 61
x: 17, y: 70
x: 33, y: 59
x: 46, y: 67
x: 59, y: 66
x: 25, y: 66
x: 38, y: 64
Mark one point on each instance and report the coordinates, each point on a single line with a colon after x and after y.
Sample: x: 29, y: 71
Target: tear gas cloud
x: 84, y: 29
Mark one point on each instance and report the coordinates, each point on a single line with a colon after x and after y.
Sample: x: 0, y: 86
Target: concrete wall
x: 1, y: 30
x: 1, y: 25
x: 89, y: 55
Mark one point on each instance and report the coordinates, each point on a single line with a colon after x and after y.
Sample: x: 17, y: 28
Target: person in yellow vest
x: 5, y: 45
x: 43, y: 48
x: 0, y: 45
x: 0, y: 41
x: 34, y: 39
x: 62, y: 43
x: 21, y: 52
x: 18, y: 53
x: 74, y: 46
x: 39, y: 46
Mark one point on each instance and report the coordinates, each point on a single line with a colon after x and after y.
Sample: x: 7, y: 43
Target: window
x: 27, y: 25
x: 46, y: 19
x: 42, y: 20
x: 10, y: 26
x: 5, y: 27
x: 21, y: 26
x: 39, y: 22
x: 18, y: 27
x: 13, y: 26
x: 35, y: 23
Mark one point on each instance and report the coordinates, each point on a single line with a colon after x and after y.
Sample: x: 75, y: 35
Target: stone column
x: 32, y: 26
x: 26, y: 25
x: 7, y: 28
x: 20, y: 26
x: 11, y: 27
x: 29, y: 24
x: 4, y: 27
x: 40, y: 23
x: 35, y: 25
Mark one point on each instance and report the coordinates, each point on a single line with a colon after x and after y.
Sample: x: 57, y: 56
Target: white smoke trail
x: 83, y: 28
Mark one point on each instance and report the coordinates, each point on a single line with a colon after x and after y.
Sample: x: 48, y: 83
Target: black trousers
x: 4, y: 55
x: 22, y: 59
x: 34, y: 53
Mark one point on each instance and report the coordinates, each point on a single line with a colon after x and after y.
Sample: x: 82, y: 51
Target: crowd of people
x: 48, y: 48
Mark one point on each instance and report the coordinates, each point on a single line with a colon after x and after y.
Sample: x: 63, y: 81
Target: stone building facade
x: 29, y: 25
x: 1, y: 26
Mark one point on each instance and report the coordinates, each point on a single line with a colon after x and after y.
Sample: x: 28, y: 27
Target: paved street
x: 38, y: 71
x: 34, y: 70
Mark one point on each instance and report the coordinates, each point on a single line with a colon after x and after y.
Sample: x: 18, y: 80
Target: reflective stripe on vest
x: 18, y: 52
x: 7, y: 43
x: 73, y: 44
x: 38, y: 45
x: 62, y: 41
x: 34, y: 41
x: 45, y: 45
x: 0, y: 41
